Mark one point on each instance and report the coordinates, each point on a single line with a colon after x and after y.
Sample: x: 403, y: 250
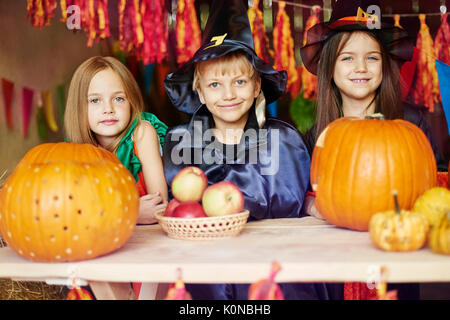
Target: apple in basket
x: 189, y: 209
x: 171, y: 207
x: 189, y: 184
x: 222, y: 198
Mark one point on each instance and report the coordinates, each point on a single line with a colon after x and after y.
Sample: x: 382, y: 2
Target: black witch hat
x: 349, y: 15
x: 227, y: 30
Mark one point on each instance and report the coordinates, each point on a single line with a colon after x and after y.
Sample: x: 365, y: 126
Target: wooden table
x: 308, y: 249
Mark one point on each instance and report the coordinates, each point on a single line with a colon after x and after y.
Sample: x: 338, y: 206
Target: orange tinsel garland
x: 284, y: 45
x: 188, y: 32
x: 427, y: 88
x: 260, y: 39
x: 40, y: 12
x: 309, y: 81
x: 143, y: 29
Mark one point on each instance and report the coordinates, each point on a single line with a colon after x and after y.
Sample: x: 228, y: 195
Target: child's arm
x: 147, y: 144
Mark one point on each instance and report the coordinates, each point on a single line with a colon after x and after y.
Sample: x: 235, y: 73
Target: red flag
x: 8, y: 89
x: 27, y: 105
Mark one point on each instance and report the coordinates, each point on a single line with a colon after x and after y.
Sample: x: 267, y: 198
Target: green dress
x: 127, y: 153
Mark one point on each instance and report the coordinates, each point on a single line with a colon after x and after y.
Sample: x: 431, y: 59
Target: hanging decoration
x: 267, y: 288
x: 359, y: 291
x: 27, y: 106
x: 143, y: 29
x: 284, y: 45
x: 94, y: 18
x: 40, y: 118
x: 48, y: 110
x: 427, y: 87
x: 40, y: 12
x: 8, y: 89
x: 61, y: 101
x: 408, y: 68
x: 442, y: 41
x: 260, y: 39
x: 77, y: 293
x: 154, y: 25
x: 309, y: 80
x: 188, y: 32
x: 177, y: 290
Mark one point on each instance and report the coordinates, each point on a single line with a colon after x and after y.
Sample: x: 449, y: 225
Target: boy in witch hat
x: 225, y: 87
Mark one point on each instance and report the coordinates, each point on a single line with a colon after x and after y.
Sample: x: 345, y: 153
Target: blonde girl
x: 105, y: 108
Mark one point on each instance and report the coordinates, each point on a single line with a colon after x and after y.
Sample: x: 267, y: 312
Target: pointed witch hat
x: 227, y: 30
x: 350, y: 15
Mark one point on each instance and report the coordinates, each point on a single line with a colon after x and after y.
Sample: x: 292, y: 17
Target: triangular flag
x: 443, y: 71
x: 27, y: 106
x: 8, y: 88
x: 40, y: 118
x: 61, y: 101
x: 48, y: 110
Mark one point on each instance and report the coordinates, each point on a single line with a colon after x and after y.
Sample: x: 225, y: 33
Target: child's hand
x: 148, y: 205
x: 311, y: 208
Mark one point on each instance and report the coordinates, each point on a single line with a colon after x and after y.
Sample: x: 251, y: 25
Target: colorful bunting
x: 427, y: 88
x: 188, y: 32
x: 61, y: 101
x: 27, y: 107
x: 48, y: 110
x: 284, y: 45
x: 177, y: 290
x: 40, y: 118
x: 8, y: 89
x: 260, y: 39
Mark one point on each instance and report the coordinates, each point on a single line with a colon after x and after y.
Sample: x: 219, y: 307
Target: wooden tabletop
x: 308, y: 250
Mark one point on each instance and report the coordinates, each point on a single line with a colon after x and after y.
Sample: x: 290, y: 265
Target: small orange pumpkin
x: 63, y: 210
x: 357, y: 162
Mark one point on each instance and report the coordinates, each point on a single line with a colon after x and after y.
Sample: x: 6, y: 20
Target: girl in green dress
x: 104, y: 108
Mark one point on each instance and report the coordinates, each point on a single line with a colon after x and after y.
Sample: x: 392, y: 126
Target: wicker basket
x: 207, y: 228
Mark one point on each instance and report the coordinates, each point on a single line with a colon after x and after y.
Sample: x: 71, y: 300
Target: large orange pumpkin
x: 356, y: 163
x: 55, y: 209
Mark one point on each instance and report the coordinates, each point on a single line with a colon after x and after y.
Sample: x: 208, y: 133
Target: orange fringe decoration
x: 442, y: 41
x: 284, y: 45
x: 358, y: 291
x: 40, y: 12
x: 260, y: 38
x: 78, y: 293
x: 267, y: 288
x: 93, y: 18
x: 188, y: 32
x: 177, y: 290
x: 427, y: 87
x: 143, y: 29
x: 309, y: 80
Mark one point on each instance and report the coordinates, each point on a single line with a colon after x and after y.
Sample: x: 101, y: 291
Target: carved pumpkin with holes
x: 55, y: 209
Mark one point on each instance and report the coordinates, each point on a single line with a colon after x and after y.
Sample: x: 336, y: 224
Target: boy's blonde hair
x: 235, y: 59
x: 76, y: 122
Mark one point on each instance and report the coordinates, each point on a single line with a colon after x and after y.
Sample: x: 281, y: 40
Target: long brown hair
x: 76, y: 124
x: 329, y: 101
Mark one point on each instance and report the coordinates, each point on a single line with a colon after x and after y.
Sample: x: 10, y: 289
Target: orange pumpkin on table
x: 68, y: 202
x: 356, y: 163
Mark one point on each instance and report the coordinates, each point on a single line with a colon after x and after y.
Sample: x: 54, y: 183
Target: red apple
x: 222, y: 198
x: 189, y: 184
x: 171, y: 207
x: 189, y: 209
